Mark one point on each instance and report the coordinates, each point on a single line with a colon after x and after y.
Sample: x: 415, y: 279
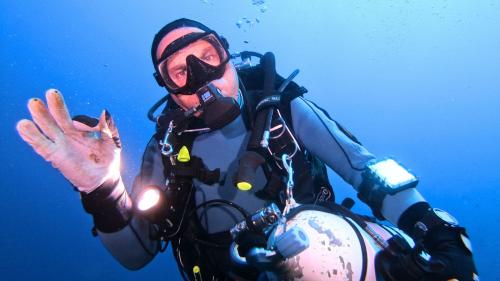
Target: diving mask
x: 192, y: 61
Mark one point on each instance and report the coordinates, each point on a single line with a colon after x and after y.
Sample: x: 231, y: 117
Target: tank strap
x: 363, y: 250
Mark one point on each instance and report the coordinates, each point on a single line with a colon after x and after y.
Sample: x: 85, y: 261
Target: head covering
x: 183, y: 22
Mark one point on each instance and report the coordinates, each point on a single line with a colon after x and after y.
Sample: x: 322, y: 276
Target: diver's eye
x: 180, y: 74
x: 210, y: 57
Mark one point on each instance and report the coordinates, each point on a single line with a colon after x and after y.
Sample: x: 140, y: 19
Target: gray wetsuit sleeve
x: 132, y: 245
x: 324, y: 138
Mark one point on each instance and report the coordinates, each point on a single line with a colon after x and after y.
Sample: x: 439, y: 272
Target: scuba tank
x: 316, y: 242
x: 339, y: 248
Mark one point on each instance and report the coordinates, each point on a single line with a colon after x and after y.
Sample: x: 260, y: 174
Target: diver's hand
x: 85, y: 159
x: 450, y: 248
x: 448, y: 257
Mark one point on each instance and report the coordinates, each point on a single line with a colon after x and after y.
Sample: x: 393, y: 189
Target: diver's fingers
x: 30, y: 134
x: 58, y: 109
x: 43, y: 119
x: 108, y: 128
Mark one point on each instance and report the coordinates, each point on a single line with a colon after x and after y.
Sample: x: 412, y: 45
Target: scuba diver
x: 234, y: 178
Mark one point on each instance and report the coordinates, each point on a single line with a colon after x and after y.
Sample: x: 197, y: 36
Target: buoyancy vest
x: 311, y: 180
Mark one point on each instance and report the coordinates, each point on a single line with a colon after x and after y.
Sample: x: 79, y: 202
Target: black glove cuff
x: 110, y: 206
x: 411, y: 216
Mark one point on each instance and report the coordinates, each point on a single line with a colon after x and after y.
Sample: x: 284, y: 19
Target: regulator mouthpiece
x: 217, y: 110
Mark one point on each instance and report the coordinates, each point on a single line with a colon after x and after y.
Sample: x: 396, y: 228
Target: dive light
x: 151, y: 204
x: 390, y: 175
x: 382, y: 178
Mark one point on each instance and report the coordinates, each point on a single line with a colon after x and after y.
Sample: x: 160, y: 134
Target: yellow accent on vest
x: 244, y: 186
x: 197, y: 273
x: 183, y: 155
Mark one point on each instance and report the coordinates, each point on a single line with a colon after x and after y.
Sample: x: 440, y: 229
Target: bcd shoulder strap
x: 179, y: 174
x: 311, y: 178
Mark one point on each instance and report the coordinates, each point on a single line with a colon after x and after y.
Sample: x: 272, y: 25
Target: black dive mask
x: 199, y: 73
x: 217, y: 110
x: 191, y: 62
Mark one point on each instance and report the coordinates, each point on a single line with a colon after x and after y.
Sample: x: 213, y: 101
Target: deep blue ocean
x: 415, y: 80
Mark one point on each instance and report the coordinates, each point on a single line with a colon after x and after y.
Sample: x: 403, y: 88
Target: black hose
x: 242, y: 211
x: 269, y: 67
x: 155, y: 106
x: 246, y: 54
x: 288, y: 80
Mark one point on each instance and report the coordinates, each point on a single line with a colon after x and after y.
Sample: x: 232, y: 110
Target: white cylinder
x: 335, y: 250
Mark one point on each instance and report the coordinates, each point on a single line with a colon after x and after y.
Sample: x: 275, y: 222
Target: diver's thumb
x: 108, y: 129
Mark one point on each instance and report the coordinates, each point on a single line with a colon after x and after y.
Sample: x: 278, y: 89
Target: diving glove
x: 86, y: 156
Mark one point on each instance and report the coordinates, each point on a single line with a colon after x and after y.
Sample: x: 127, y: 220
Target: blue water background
x: 416, y: 80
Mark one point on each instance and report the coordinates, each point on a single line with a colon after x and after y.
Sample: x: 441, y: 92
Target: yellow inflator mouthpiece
x: 183, y: 155
x: 243, y: 185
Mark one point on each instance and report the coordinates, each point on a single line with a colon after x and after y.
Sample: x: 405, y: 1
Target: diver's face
x: 227, y: 84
